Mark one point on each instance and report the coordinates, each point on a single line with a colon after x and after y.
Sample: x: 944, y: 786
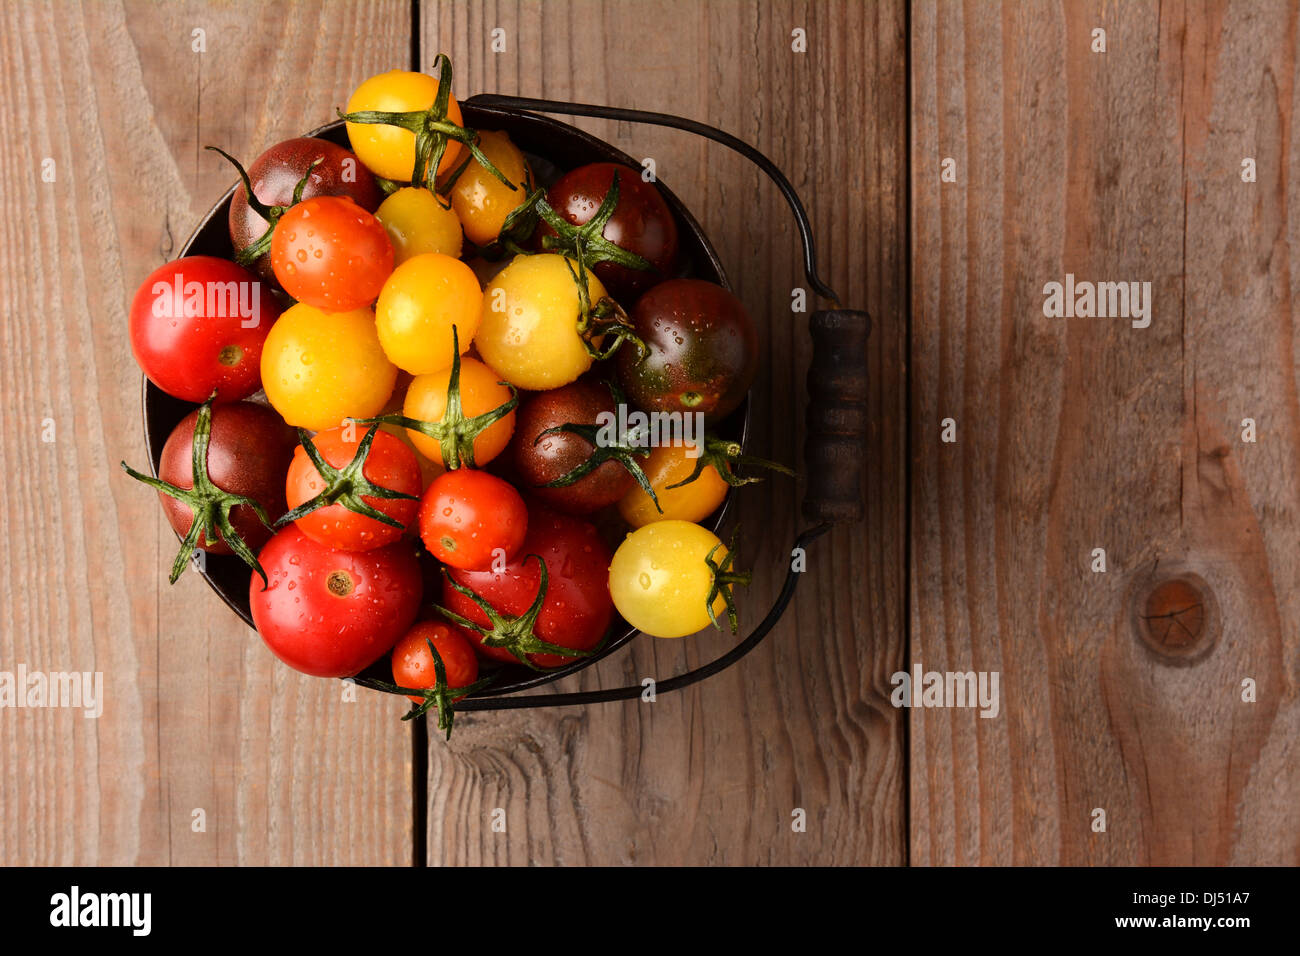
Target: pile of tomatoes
x: 401, y: 375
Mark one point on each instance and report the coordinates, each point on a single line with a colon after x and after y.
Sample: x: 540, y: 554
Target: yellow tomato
x: 482, y: 202
x: 660, y: 582
x: 389, y: 151
x: 417, y: 223
x: 319, y: 368
x: 529, y: 327
x: 480, y: 392
x: 667, y: 465
x: 421, y: 301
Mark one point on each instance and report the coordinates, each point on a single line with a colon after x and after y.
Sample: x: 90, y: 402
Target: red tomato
x: 413, y: 664
x: 390, y: 464
x: 577, y: 608
x: 332, y: 613
x: 331, y: 254
x: 468, y: 518
x: 641, y: 223
x: 198, y: 324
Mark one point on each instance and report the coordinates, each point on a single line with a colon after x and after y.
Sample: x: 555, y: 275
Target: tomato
x: 319, y: 368
x: 576, y: 610
x: 480, y: 392
x: 421, y: 301
x: 332, y: 613
x: 529, y: 328
x: 641, y: 223
x: 695, y: 501
x: 660, y: 582
x: 389, y: 463
x: 468, y: 519
x: 542, y: 459
x: 389, y: 151
x: 275, y: 175
x: 702, y: 350
x: 331, y: 253
x: 413, y: 661
x: 199, y: 324
x: 248, y: 450
x: 418, y: 223
x: 482, y: 201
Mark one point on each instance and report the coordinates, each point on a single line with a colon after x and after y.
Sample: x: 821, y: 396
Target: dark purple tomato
x: 641, y: 223
x: 276, y: 172
x: 702, y: 350
x: 538, y: 462
x: 249, y: 451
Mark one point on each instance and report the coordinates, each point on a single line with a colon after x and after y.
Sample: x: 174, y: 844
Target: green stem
x: 515, y: 634
x: 347, y: 486
x: 209, y: 505
x: 722, y: 580
x: 454, y: 433
x: 433, y: 130
x: 724, y: 455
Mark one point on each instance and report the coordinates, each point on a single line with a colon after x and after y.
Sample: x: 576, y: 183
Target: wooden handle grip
x: 835, y: 448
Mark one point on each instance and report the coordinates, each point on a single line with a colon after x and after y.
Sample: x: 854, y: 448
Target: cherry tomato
x: 540, y: 460
x: 331, y: 253
x: 482, y: 202
x: 389, y: 464
x: 389, y: 151
x: 421, y: 301
x: 413, y: 663
x: 249, y: 450
x: 576, y: 611
x: 659, y: 581
x: 480, y: 392
x: 199, y: 324
x: 529, y: 328
x: 319, y: 368
x: 276, y: 173
x: 667, y: 465
x: 702, y: 345
x: 641, y: 223
x: 332, y: 613
x: 418, y: 223
x: 468, y: 519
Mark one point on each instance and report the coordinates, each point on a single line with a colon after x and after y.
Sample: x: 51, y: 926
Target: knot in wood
x: 1174, y: 618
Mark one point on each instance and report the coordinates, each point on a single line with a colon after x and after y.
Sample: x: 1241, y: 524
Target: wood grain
x: 1083, y: 433
x: 197, y: 714
x: 712, y: 774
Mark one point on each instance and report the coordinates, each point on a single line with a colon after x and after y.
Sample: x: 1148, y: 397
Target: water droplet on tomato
x: 302, y: 255
x: 644, y: 580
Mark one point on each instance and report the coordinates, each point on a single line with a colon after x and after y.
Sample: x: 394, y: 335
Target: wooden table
x: 955, y: 158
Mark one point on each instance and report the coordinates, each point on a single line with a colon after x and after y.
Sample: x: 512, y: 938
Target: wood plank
x: 197, y: 714
x: 712, y: 774
x: 1083, y: 433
